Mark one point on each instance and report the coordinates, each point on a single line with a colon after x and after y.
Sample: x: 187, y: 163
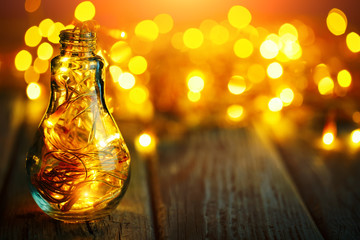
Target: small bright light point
x: 328, y: 138
x: 139, y: 94
x: 196, y: 84
x: 33, y: 91
x: 326, y: 86
x: 353, y: 42
x: 219, y: 34
x: 137, y: 65
x: 85, y: 11
x: 54, y: 32
x: 287, y: 96
x: 256, y: 73
x: 120, y: 52
x: 126, y: 80
x: 147, y: 30
x: 237, y: 85
x: 243, y: 48
x: 23, y: 60
x: 31, y: 75
x: 344, y: 78
x: 45, y: 26
x: 194, y: 96
x: 239, y: 17
x: 274, y: 70
x: 33, y: 36
x: 269, y: 49
x: 235, y: 112
x: 164, y: 22
x: 355, y: 136
x: 145, y: 140
x: 275, y: 104
x: 336, y: 22
x: 41, y: 66
x: 45, y: 51
x: 193, y: 38
x: 115, y: 72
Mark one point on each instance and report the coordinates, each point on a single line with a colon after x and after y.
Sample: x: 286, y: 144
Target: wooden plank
x: 228, y: 184
x: 329, y: 184
x: 22, y: 219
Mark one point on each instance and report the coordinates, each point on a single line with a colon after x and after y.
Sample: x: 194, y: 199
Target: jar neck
x: 77, y: 43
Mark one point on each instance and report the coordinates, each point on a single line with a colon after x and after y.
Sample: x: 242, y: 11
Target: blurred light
x: 321, y: 71
x: 85, y: 11
x: 32, y: 36
x: 45, y: 26
x: 291, y: 48
x: 45, y: 51
x: 288, y: 29
x: 274, y: 70
x: 356, y: 117
x: 177, y: 41
x: 194, y: 96
x: 31, y: 75
x: 237, y: 85
x: 269, y: 49
x: 120, y: 52
x: 139, y: 94
x: 115, y: 72
x: 326, y: 86
x: 219, y: 34
x: 195, y: 84
x: 164, y: 22
x: 235, y: 112
x: 54, y: 32
x: 355, y: 136
x: 145, y: 143
x: 239, y: 17
x: 287, y: 96
x: 117, y: 34
x: 256, y: 73
x: 344, y: 78
x: 70, y: 26
x: 147, y: 30
x: 328, y: 138
x: 32, y: 5
x: 137, y: 65
x: 126, y: 80
x: 353, y: 42
x: 33, y: 91
x: 23, y: 60
x: 193, y: 38
x: 243, y: 48
x: 336, y: 22
x: 275, y: 104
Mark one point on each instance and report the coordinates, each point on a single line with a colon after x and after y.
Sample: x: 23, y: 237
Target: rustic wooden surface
x: 210, y: 184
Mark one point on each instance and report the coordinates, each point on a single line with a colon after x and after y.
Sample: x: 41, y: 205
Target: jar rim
x: 76, y: 34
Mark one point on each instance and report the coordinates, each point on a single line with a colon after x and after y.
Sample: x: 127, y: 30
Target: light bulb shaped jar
x: 78, y: 167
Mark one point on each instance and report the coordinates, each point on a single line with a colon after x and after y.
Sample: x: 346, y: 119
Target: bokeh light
x: 164, y: 22
x: 274, y: 70
x: 326, y: 86
x: 344, y: 78
x: 239, y: 17
x: 139, y: 94
x: 237, y: 85
x: 45, y: 51
x: 243, y: 48
x: 120, y: 52
x: 269, y: 49
x: 219, y: 34
x: 41, y: 66
x: 126, y: 80
x: 235, y: 112
x: 137, y: 65
x: 45, y: 26
x: 30, y: 75
x: 33, y: 36
x: 336, y: 22
x: 195, y: 81
x: 32, y: 5
x: 328, y: 138
x: 287, y: 96
x: 85, y: 11
x: 355, y: 136
x: 54, y: 32
x: 147, y: 30
x: 33, y: 91
x: 23, y: 60
x: 115, y: 72
x: 353, y: 42
x: 194, y: 96
x: 193, y: 38
x: 275, y: 104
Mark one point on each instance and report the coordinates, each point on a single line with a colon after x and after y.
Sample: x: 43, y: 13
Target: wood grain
x: 229, y: 184
x: 22, y: 219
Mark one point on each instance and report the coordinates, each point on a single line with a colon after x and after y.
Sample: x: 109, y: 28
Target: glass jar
x: 78, y: 167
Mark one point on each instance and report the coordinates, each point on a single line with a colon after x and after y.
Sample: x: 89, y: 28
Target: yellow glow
x: 237, y: 85
x: 137, y: 65
x: 85, y: 11
x: 41, y: 66
x: 243, y: 48
x: 45, y: 26
x: 194, y: 96
x: 219, y: 34
x: 326, y: 86
x: 256, y: 73
x: 117, y: 34
x: 355, y: 136
x: 120, y: 52
x: 195, y: 84
x: 328, y: 138
x: 344, y: 78
x: 54, y: 32
x: 126, y: 80
x: 269, y: 49
x: 193, y: 38
x: 23, y: 60
x: 147, y: 30
x: 356, y: 117
x: 115, y: 72
x: 145, y: 143
x: 139, y: 94
x: 291, y: 49
x: 274, y: 70
x: 235, y: 112
x: 239, y: 17
x: 275, y: 104
x: 336, y: 22
x: 353, y: 42
x: 164, y: 22
x: 31, y: 75
x: 287, y: 96
x: 321, y: 71
x: 288, y: 30
x: 32, y: 36
x: 45, y: 51
x: 33, y: 91
x: 177, y: 40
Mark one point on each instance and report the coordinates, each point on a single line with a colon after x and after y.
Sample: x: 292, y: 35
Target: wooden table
x: 211, y: 184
